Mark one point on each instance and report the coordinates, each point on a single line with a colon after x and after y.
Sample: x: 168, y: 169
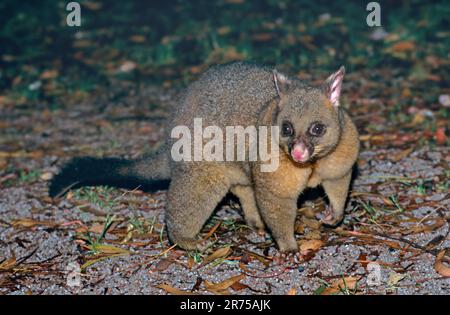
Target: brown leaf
x: 262, y: 37
x: 19, y: 154
x: 306, y: 246
x: 137, y: 39
x: 162, y: 265
x: 299, y: 228
x: 92, y: 5
x: 96, y: 260
x: 313, y: 235
x: 195, y: 69
x: 401, y: 154
x: 341, y: 284
x: 403, y: 46
x: 191, y: 262
x: 237, y: 286
x: 108, y: 249
x: 311, y: 223
x: 220, y: 253
x: 439, y: 222
x: 49, y: 74
x: 363, y: 259
x: 213, y: 229
x: 8, y: 263
x: 439, y: 265
x: 31, y: 223
x: 224, y: 30
x: 218, y: 288
x: 292, y: 291
x: 97, y: 228
x: 262, y: 259
x: 440, y: 136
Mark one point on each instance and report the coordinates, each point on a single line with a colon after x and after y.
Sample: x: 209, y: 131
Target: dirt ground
x: 112, y: 241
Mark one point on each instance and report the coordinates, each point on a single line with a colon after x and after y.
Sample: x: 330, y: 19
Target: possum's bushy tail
x: 149, y: 172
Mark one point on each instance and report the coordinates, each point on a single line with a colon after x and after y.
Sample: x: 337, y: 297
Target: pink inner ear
x: 335, y: 90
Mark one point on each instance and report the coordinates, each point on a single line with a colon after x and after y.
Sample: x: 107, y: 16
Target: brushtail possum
x: 318, y: 145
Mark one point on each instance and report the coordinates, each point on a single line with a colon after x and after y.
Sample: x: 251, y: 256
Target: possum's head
x: 309, y: 119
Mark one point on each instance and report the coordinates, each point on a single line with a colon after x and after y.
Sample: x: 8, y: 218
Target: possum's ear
x: 333, y: 86
x: 282, y: 83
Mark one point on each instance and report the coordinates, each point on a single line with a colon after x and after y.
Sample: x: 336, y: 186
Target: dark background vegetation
x: 168, y: 41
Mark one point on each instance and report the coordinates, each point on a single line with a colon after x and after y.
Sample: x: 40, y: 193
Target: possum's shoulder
x: 236, y: 74
x: 242, y: 82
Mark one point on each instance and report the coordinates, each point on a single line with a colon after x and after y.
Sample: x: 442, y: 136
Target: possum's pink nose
x: 300, y: 152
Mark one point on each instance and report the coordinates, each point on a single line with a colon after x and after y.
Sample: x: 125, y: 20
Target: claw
x: 328, y: 217
x: 282, y: 258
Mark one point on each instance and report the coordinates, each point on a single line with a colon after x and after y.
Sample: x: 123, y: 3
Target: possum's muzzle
x: 300, y: 150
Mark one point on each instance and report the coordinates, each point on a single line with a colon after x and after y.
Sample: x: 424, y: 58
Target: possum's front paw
x: 330, y: 217
x: 283, y: 258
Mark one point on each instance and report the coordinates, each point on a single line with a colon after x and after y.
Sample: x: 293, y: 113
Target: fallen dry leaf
x: 19, y: 154
x: 401, y: 154
x: 220, y: 253
x: 440, y: 267
x: 108, y: 249
x: 92, y: 5
x: 97, y: 228
x: 403, y: 46
x: 440, y: 136
x: 311, y: 223
x: 306, y: 246
x: 219, y: 288
x: 8, y: 263
x: 341, y: 284
x: 31, y: 223
x: 213, y: 229
x: 237, y: 286
x: 292, y: 291
x: 262, y: 37
x: 49, y: 74
x: 224, y: 30
x: 165, y: 263
x: 137, y: 39
x: 96, y: 260
x: 313, y: 235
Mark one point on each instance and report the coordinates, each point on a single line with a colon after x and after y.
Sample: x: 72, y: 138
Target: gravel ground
x: 41, y: 241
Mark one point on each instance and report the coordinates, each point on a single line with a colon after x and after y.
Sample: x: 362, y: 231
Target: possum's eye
x: 317, y: 129
x: 287, y: 129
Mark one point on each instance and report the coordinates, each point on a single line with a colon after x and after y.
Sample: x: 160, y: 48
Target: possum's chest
x: 289, y: 179
x: 314, y: 178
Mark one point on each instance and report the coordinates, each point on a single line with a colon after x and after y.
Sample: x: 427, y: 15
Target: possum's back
x: 227, y: 95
